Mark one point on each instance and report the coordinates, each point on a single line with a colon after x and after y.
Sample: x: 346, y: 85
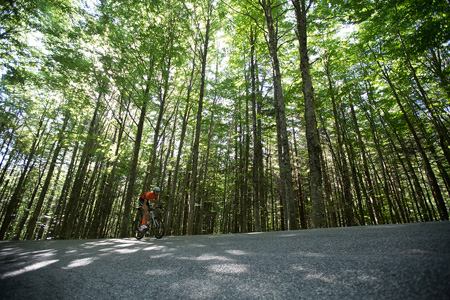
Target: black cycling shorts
x: 141, y: 202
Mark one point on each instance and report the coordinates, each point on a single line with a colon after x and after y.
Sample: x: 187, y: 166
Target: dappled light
x: 228, y: 268
x: 126, y: 250
x: 155, y: 247
x: 80, y: 262
x: 33, y: 267
x: 211, y: 257
x: 236, y: 252
x: 310, y: 264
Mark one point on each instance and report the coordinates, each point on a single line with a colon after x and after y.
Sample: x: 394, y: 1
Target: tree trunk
x: 20, y: 224
x: 55, y: 224
x: 360, y: 144
x: 132, y: 175
x: 438, y: 198
x: 72, y: 209
x: 287, y: 194
x: 312, y: 135
x: 195, y: 150
x: 16, y: 197
x: 352, y: 161
x: 172, y: 196
x: 300, y: 193
x: 444, y: 136
x: 164, y: 88
x: 105, y: 199
x: 37, y: 210
x: 258, y: 171
x: 341, y: 158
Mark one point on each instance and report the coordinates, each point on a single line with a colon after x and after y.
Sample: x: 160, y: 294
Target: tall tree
x: 56, y: 152
x: 208, y: 9
x: 284, y: 159
x: 312, y: 135
x: 19, y: 189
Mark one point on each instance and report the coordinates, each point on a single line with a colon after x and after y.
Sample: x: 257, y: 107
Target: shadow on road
x: 391, y: 262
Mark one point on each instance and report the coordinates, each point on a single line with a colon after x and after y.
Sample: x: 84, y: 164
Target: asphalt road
x: 409, y: 261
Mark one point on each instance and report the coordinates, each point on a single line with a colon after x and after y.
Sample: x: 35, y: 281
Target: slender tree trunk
x: 10, y: 156
x: 72, y: 209
x: 186, y: 114
x: 132, y: 175
x: 164, y: 88
x: 444, y: 136
x: 438, y: 198
x: 20, y: 224
x: 55, y: 227
x: 16, y: 197
x: 368, y: 193
x: 436, y: 66
x: 312, y: 135
x: 205, y: 202
x: 416, y: 189
x: 105, y: 199
x: 245, y: 190
x: 300, y: 193
x: 287, y: 194
x: 354, y: 172
x: 47, y: 221
x: 88, y: 200
x: 341, y: 158
x: 37, y: 210
x: 195, y: 150
x: 257, y: 152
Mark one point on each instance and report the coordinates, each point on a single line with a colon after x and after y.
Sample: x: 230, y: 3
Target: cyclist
x: 143, y: 201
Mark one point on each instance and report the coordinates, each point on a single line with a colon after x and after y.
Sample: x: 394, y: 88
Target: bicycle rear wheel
x: 137, y: 234
x: 158, y: 228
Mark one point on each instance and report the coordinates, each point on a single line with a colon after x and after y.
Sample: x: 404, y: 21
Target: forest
x: 250, y: 115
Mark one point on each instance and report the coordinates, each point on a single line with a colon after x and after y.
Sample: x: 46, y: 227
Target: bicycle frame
x: 155, y: 222
x: 155, y: 226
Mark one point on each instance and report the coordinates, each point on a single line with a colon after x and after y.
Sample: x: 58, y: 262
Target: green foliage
x: 60, y: 62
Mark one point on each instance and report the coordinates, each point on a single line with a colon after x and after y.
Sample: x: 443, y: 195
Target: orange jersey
x: 149, y: 196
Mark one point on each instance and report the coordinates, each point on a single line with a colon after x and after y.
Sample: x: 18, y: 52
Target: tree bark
x: 72, y: 211
x: 37, y: 210
x: 312, y: 134
x: 195, y: 150
x: 438, y: 198
x: 18, y: 191
x: 368, y: 192
x: 132, y: 174
x: 164, y: 87
x: 341, y: 158
x: 258, y: 171
x: 172, y: 196
x: 287, y: 194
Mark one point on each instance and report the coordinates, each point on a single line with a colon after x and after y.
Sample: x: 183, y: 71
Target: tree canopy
x: 252, y: 115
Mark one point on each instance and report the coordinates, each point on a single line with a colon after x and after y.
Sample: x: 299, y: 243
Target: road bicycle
x: 155, y: 225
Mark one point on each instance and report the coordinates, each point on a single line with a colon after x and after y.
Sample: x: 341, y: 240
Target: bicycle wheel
x: 137, y: 234
x: 158, y: 228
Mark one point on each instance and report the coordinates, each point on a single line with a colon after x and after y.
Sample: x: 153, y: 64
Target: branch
x: 247, y: 14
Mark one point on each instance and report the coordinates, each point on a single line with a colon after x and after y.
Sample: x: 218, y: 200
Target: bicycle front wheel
x: 158, y: 228
x: 137, y: 234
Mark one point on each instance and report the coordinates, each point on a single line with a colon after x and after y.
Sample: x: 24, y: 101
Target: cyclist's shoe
x: 142, y: 228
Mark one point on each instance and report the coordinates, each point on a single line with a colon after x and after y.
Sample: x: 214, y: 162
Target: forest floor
x: 409, y: 261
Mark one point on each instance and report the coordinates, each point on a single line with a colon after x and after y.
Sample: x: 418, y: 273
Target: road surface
x: 410, y: 261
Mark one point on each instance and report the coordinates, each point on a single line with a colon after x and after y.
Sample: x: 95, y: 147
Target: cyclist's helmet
x: 156, y: 189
